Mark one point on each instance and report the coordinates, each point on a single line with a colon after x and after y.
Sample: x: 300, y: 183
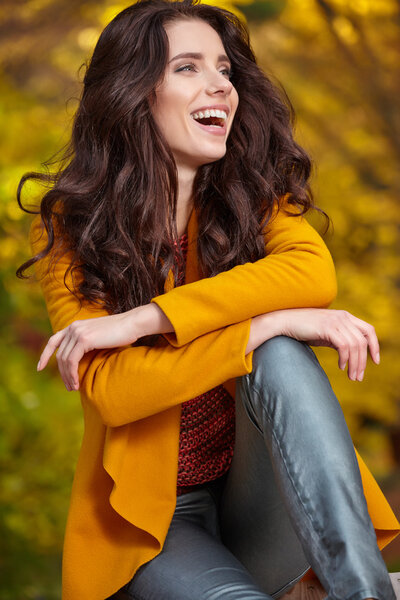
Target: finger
x: 68, y: 363
x: 362, y: 343
x: 347, y: 348
x: 51, y: 346
x: 369, y: 333
x: 374, y: 348
x: 73, y: 364
x: 373, y: 344
x: 358, y: 347
x: 353, y: 346
x: 65, y: 349
x: 340, y: 343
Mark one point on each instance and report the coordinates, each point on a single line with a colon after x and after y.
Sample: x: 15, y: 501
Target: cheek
x: 163, y: 105
x: 171, y: 109
x: 235, y: 99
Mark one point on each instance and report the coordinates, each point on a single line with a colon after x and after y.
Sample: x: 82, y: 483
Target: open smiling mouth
x: 217, y: 118
x: 215, y: 121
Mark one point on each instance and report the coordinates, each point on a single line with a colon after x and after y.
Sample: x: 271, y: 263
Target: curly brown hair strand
x: 113, y: 200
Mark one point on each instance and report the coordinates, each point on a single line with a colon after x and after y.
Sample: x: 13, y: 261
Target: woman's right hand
x: 81, y: 337
x: 112, y: 331
x: 337, y: 329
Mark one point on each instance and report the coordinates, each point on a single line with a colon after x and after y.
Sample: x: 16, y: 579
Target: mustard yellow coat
x: 124, y: 490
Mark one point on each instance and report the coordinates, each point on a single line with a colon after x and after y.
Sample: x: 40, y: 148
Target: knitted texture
x: 207, y: 429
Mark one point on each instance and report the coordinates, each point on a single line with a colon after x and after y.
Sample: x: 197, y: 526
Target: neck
x: 184, y: 207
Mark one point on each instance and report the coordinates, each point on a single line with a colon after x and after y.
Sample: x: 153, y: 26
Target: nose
x: 218, y: 83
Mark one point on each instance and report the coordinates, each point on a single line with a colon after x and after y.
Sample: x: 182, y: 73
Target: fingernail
x: 353, y: 376
x: 378, y: 358
x: 38, y: 366
x: 361, y: 376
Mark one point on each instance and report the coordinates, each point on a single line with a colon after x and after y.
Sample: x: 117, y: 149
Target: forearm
x: 133, y: 383
x: 297, y: 272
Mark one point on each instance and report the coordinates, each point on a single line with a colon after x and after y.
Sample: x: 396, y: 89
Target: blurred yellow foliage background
x: 339, y: 63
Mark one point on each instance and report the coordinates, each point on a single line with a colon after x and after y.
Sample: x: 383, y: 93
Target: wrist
x: 263, y: 327
x: 152, y: 320
x: 271, y: 324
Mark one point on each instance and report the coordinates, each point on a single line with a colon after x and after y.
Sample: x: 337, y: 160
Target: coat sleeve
x: 297, y: 272
x: 133, y: 382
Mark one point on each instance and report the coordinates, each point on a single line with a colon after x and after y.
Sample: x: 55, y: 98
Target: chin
x: 213, y: 157
x: 198, y: 159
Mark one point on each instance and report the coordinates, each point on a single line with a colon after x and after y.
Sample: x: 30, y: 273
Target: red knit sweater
x: 207, y: 430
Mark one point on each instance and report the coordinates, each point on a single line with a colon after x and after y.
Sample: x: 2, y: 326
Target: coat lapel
x: 192, y: 270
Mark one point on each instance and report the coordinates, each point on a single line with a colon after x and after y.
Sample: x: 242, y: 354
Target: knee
x: 284, y: 368
x: 288, y: 387
x: 281, y: 361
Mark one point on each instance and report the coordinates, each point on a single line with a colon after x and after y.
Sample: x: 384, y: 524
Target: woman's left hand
x: 350, y: 336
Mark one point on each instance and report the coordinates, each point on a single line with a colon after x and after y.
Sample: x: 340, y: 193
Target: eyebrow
x: 199, y: 56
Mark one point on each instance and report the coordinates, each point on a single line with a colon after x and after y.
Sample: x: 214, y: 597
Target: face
x: 196, y: 102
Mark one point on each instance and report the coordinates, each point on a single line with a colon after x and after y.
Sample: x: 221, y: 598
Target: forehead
x: 193, y: 35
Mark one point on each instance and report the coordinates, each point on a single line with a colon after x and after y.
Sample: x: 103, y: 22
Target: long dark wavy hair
x: 112, y: 202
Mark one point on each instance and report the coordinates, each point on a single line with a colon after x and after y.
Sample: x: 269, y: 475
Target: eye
x: 227, y: 71
x: 189, y: 67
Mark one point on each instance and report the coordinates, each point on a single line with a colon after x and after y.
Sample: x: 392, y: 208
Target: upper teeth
x: 221, y: 114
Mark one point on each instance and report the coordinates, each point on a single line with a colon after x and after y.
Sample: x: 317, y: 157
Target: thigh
x: 307, y: 445
x: 193, y: 562
x: 254, y: 522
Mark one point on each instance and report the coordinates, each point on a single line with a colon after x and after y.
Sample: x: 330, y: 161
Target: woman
x: 180, y: 137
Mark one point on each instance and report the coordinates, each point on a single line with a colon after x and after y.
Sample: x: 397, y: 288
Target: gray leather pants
x: 292, y: 498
